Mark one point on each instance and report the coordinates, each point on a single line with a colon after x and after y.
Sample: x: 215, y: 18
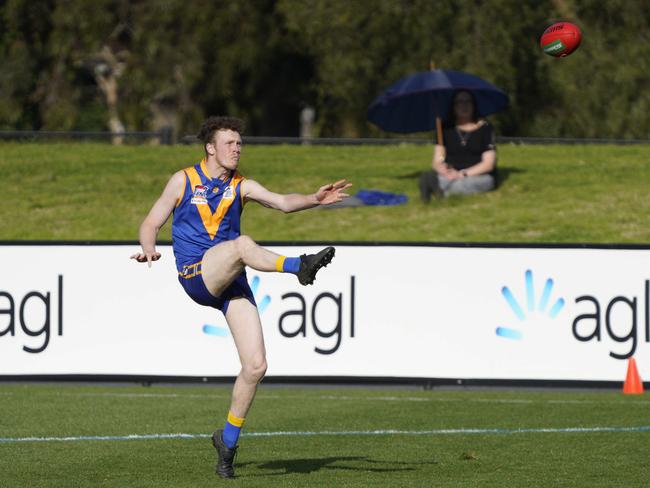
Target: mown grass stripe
x: 635, y: 401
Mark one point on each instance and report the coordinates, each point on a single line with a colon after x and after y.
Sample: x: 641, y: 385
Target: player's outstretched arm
x: 292, y: 202
x: 157, y: 217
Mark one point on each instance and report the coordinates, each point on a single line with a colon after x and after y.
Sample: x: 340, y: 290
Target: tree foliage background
x: 173, y: 62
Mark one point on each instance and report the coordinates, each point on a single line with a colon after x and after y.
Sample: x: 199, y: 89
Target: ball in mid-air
x: 560, y: 39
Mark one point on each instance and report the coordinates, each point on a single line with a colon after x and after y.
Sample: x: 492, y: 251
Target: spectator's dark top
x: 464, y: 149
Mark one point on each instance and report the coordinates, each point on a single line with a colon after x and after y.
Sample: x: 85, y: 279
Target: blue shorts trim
x: 191, y: 280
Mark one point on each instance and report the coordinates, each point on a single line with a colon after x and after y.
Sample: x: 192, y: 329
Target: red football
x: 560, y: 39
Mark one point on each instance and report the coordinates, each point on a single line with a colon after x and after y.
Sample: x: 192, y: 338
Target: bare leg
x: 223, y: 262
x: 244, y: 322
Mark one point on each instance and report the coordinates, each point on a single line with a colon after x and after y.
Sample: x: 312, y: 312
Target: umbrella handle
x: 438, y: 139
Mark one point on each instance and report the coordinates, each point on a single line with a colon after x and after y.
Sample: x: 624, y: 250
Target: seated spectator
x: 467, y: 162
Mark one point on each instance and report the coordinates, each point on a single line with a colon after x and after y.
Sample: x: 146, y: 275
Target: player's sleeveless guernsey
x: 207, y: 212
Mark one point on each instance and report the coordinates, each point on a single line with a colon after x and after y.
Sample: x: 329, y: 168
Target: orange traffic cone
x: 633, y: 384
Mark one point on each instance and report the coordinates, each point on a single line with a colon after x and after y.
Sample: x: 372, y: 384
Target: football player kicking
x: 207, y: 200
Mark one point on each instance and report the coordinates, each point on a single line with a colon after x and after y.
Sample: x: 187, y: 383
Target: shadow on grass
x: 414, y: 175
x: 504, y: 173
x: 312, y: 465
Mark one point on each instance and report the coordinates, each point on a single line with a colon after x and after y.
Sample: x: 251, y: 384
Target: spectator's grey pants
x: 466, y: 186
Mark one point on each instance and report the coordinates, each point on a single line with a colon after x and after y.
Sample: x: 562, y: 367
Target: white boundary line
x: 543, y: 430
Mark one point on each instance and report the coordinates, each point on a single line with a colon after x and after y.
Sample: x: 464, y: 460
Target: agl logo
x: 616, y: 318
x: 33, y: 315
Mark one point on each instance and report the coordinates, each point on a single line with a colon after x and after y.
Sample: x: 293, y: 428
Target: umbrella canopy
x: 413, y: 103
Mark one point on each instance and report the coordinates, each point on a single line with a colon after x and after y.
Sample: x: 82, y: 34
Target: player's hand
x: 146, y: 257
x: 332, y: 193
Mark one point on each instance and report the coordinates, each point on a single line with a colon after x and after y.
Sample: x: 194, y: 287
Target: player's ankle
x: 287, y: 265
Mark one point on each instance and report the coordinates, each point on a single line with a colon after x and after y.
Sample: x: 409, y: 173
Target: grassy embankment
x: 560, y: 194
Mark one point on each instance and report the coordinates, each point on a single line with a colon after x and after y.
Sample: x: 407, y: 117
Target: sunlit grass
x: 360, y: 453
x: 563, y: 194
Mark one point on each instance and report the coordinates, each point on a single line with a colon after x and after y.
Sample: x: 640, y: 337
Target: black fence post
x: 166, y: 135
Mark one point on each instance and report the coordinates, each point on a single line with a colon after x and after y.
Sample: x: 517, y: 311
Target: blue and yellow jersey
x: 207, y: 212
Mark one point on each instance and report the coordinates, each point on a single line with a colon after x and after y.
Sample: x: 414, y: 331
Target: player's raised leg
x: 244, y: 322
x: 224, y: 262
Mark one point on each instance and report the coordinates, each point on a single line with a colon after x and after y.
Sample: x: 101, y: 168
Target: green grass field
x: 581, y: 193
x: 332, y: 437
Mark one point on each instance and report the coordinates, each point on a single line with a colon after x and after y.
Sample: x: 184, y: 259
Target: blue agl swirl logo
x: 545, y: 306
x: 215, y: 330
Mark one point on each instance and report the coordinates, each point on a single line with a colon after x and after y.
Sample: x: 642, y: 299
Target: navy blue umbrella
x: 413, y: 103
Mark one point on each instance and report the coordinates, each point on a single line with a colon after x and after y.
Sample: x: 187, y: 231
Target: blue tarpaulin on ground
x: 370, y: 197
x: 377, y: 197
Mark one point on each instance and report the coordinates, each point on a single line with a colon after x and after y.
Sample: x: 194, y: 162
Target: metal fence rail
x: 406, y: 140
x: 568, y: 140
x: 165, y: 136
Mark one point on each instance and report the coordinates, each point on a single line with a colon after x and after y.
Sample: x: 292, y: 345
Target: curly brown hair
x: 215, y: 123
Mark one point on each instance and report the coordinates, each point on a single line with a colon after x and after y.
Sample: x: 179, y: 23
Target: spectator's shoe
x: 225, y: 456
x: 311, y: 263
x: 425, y: 190
x: 429, y: 185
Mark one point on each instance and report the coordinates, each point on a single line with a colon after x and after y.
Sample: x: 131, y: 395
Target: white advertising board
x: 376, y: 311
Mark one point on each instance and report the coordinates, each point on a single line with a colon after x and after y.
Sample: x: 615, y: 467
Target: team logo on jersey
x: 228, y: 194
x: 200, y: 195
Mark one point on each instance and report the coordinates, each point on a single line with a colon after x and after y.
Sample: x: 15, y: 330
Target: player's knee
x: 256, y: 369
x: 243, y: 245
